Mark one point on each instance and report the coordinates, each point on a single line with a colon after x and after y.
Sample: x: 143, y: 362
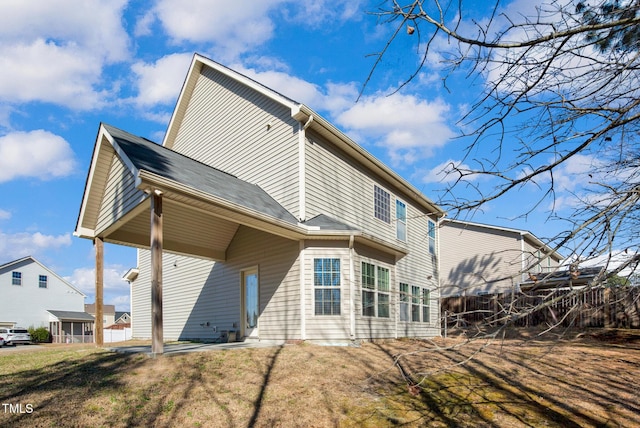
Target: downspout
x: 439, y: 281
x: 522, y: 260
x: 302, y: 171
x: 352, y: 303
x: 303, y: 291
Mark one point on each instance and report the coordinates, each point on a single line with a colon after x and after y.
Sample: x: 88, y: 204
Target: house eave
x: 301, y: 113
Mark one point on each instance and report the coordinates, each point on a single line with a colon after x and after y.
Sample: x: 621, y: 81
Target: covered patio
x: 144, y: 195
x: 71, y: 327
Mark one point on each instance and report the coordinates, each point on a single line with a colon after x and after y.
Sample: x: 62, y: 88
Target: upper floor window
x: 401, y: 220
x: 432, y: 237
x: 16, y: 278
x: 382, y: 204
x: 375, y: 291
x: 326, y: 281
x: 42, y: 281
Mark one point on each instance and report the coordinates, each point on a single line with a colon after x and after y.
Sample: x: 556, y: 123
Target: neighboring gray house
x: 479, y: 259
x: 123, y: 318
x: 34, y: 296
x: 273, y: 223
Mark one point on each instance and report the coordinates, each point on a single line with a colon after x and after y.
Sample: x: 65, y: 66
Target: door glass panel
x: 251, y: 300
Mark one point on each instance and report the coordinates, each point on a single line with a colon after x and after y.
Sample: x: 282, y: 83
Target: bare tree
x: 560, y: 85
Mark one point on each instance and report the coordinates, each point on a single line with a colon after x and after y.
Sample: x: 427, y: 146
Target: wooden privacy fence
x: 615, y: 307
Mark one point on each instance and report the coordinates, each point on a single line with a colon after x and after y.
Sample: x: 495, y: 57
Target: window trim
x: 413, y: 303
x: 404, y: 302
x: 332, y: 288
x: 431, y: 233
x: 373, y: 287
x: 381, y: 208
x: 401, y: 221
x: 43, y: 279
x: 16, y: 278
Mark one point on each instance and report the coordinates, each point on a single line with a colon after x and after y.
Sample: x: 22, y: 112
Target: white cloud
x: 232, y: 26
x: 160, y: 82
x: 314, y: 13
x: 447, y: 172
x: 49, y: 155
x: 116, y: 289
x: 54, y: 51
x: 16, y: 245
x: 4, y: 215
x: 84, y: 279
x: 407, y: 126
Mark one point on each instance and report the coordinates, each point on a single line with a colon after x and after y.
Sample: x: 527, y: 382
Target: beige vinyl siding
x: 476, y: 259
x: 196, y: 291
x: 237, y: 130
x: 279, y: 284
x: 120, y: 195
x: 534, y: 259
x: 327, y: 327
x: 373, y: 327
x: 100, y: 175
x: 340, y: 188
x: 141, y: 297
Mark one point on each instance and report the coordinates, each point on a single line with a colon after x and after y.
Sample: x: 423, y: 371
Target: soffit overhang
x: 195, y: 222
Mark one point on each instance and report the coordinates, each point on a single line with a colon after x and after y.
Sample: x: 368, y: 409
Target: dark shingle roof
x: 324, y: 222
x: 159, y: 160
x: 71, y: 315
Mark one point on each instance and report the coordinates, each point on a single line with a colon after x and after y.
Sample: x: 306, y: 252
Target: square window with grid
x: 326, y: 282
x: 16, y: 278
x: 42, y: 281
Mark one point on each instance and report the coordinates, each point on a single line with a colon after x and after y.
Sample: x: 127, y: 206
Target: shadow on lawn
x: 497, y: 388
x: 52, y: 394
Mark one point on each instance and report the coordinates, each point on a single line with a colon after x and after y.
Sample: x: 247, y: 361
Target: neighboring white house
x: 273, y: 222
x: 479, y: 258
x: 32, y: 295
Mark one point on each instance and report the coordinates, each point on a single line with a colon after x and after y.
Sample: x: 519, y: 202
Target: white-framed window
x: 432, y: 237
x: 401, y: 220
x: 415, y: 303
x: 415, y: 306
x: 382, y: 204
x: 16, y: 278
x: 326, y: 282
x: 375, y: 291
x: 404, y: 302
x: 42, y: 281
x: 426, y: 305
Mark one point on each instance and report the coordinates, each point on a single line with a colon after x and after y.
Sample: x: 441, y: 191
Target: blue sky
x: 67, y: 65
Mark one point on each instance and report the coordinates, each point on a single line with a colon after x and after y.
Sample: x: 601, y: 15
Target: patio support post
x: 157, y: 338
x: 99, y: 246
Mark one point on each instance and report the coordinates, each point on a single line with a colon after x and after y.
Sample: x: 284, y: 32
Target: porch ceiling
x: 186, y: 230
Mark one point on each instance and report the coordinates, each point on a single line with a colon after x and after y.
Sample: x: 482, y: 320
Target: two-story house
x: 479, y: 258
x: 32, y: 295
x: 258, y: 215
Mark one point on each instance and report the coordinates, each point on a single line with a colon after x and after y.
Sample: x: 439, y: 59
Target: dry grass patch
x: 584, y: 382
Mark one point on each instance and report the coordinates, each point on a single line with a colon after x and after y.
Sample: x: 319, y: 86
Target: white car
x: 14, y: 336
